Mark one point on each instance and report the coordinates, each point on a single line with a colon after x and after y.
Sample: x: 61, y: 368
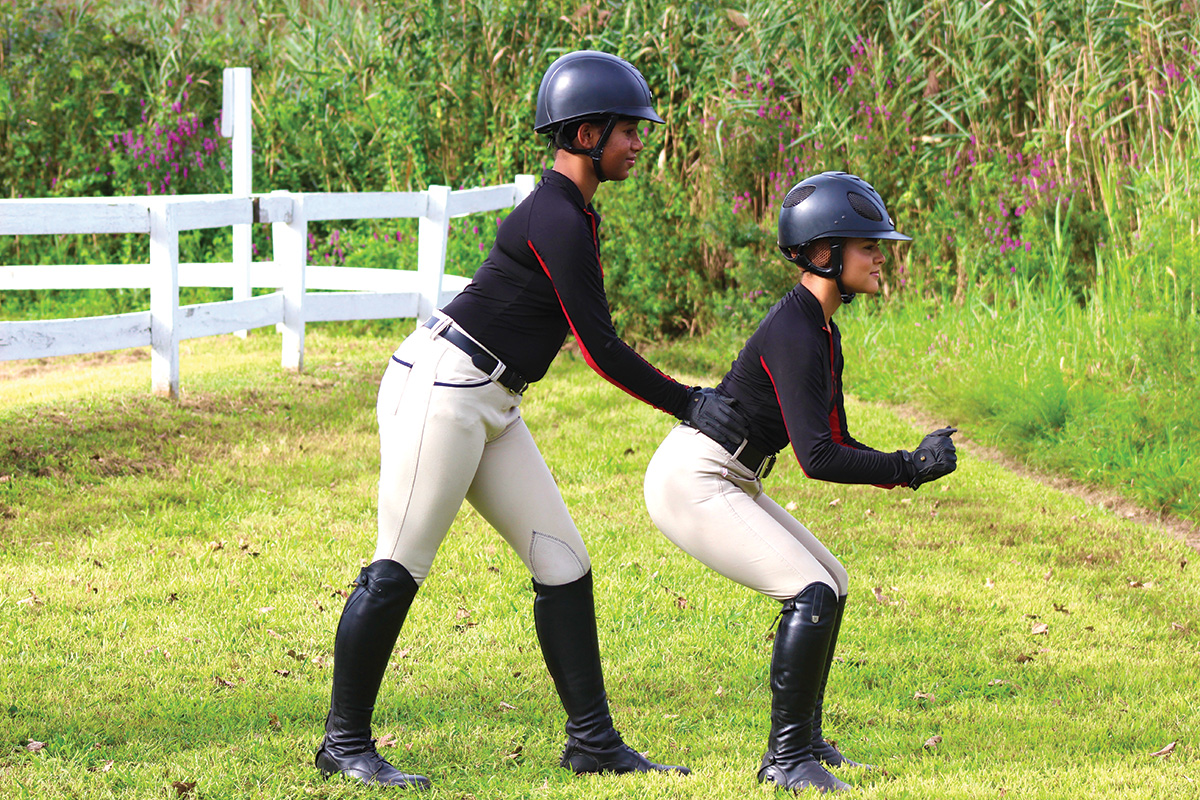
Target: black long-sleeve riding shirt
x: 788, y: 384
x: 542, y: 278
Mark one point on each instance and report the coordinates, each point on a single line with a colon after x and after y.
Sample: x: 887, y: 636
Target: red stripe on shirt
x: 587, y: 356
x: 775, y: 389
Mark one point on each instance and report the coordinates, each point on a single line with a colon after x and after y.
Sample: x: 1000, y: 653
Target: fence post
x: 164, y: 299
x: 525, y: 184
x: 236, y: 122
x: 432, y: 230
x: 289, y: 242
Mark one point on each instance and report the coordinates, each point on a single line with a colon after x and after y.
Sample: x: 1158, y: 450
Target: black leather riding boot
x: 825, y: 752
x: 366, y: 634
x: 802, y: 645
x: 565, y: 618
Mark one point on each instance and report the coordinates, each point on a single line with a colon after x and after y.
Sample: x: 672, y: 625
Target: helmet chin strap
x: 595, y: 153
x: 847, y: 297
x: 834, y: 264
x: 835, y: 261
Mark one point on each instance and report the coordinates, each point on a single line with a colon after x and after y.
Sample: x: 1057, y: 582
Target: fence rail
x: 303, y: 293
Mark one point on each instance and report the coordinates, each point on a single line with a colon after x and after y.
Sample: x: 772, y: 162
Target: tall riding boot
x: 825, y: 752
x: 366, y: 634
x: 565, y: 618
x: 802, y: 644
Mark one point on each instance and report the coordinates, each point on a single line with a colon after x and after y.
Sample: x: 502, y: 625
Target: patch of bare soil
x: 1181, y: 529
x: 33, y: 367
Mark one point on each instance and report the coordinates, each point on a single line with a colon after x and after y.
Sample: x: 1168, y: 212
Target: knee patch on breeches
x: 553, y: 561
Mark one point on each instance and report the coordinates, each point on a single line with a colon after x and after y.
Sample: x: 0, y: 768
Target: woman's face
x: 862, y: 260
x: 620, y: 152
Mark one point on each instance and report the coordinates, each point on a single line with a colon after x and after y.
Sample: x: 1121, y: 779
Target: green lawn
x: 171, y: 575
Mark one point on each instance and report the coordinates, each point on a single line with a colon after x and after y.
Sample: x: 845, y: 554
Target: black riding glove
x: 933, y: 458
x: 713, y: 414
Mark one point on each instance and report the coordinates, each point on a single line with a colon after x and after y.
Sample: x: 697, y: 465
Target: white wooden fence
x: 358, y: 293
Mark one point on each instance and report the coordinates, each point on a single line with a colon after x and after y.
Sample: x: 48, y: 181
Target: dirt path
x: 1181, y: 529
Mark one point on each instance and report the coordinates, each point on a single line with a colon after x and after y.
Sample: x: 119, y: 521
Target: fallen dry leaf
x: 835, y: 501
x: 33, y: 746
x: 989, y: 584
x: 882, y: 598
x: 184, y: 788
x: 222, y: 682
x: 1039, y: 628
x: 273, y: 721
x: 1021, y: 659
x: 273, y: 633
x: 515, y: 753
x: 387, y: 740
x: 507, y: 706
x: 215, y: 546
x: 462, y: 613
x: 932, y: 742
x: 737, y: 18
x: 926, y: 696
x: 681, y: 602
x: 297, y: 656
x: 32, y: 600
x: 791, y: 506
x: 1166, y: 751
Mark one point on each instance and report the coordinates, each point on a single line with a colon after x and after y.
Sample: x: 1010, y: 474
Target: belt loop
x: 441, y: 324
x: 498, y: 372
x: 740, y: 448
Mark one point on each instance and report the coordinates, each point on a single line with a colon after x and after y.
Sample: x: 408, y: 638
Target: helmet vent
x: 798, y: 195
x: 863, y: 206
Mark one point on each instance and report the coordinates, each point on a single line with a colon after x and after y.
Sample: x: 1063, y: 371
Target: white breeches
x: 448, y: 433
x: 714, y: 509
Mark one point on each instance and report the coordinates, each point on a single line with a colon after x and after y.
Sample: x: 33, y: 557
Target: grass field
x: 171, y: 575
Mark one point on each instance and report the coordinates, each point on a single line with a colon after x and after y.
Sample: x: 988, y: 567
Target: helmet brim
x: 862, y: 233
x: 644, y: 113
